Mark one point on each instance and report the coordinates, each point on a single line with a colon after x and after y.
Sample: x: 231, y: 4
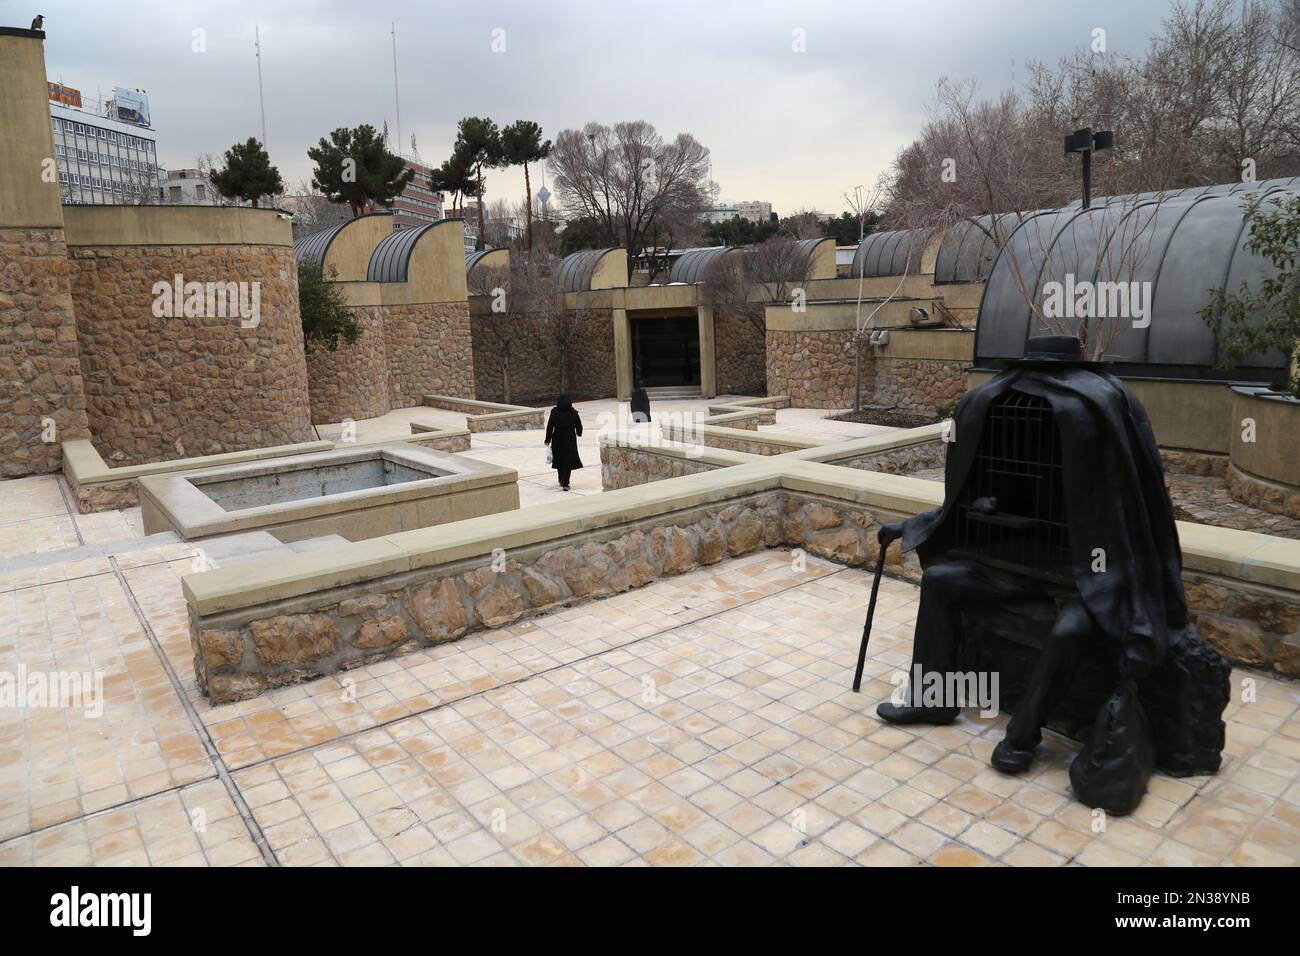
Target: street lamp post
x: 1085, y: 141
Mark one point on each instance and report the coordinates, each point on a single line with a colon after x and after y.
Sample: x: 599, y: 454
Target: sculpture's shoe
x: 900, y: 714
x: 1009, y: 759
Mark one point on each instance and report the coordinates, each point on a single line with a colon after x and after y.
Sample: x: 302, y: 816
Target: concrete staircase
x: 671, y: 392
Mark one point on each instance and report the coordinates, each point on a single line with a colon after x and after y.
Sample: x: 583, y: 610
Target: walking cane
x: 871, y: 613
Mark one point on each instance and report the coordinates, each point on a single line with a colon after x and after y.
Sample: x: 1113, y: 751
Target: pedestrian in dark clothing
x: 562, y: 431
x: 640, y: 405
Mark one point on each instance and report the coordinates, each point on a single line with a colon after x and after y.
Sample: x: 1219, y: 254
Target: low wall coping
x: 84, y: 466
x: 256, y: 582
x: 705, y: 454
x: 756, y: 437
x: 871, y: 445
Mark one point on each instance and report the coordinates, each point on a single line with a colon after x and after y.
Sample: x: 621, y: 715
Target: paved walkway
x: 703, y: 719
x: 524, y: 452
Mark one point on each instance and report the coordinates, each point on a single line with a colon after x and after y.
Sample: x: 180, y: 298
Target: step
x: 673, y: 391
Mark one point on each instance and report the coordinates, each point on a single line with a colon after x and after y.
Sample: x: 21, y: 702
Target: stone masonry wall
x: 161, y: 388
x: 622, y: 467
x: 1248, y: 624
x: 739, y: 355
x: 298, y: 640
x: 1265, y: 495
x: 350, y: 382
x: 535, y: 358
x: 591, y: 356
x: 428, y: 349
x: 40, y: 361
x: 901, y: 461
x: 816, y: 369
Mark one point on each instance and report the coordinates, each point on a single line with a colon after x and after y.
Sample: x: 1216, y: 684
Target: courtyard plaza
x: 704, y: 719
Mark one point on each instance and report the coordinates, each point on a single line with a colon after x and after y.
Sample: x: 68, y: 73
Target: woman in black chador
x: 562, y: 431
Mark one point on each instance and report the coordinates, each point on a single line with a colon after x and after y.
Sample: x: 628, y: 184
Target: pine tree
x: 247, y: 174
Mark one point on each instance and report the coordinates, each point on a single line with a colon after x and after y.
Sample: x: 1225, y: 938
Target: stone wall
x: 816, y: 369
x: 351, y: 381
x: 623, y: 467
x: 1199, y: 464
x: 900, y: 461
x: 739, y: 355
x: 1246, y: 623
x: 39, y: 357
x: 1265, y: 495
x: 300, y: 639
x: 536, y: 357
x: 428, y: 351
x: 160, y: 388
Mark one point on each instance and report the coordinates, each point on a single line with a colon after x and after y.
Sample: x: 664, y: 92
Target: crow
x: 39, y: 22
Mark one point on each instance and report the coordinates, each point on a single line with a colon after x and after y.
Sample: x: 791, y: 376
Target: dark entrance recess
x: 665, y: 351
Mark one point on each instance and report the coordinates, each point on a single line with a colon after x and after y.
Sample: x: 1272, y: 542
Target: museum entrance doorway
x: 665, y: 351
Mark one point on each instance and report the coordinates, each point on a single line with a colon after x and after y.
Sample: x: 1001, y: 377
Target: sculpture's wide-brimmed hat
x: 1055, y: 350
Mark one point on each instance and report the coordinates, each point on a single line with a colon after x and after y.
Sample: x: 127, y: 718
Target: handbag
x: 1118, y: 758
x: 549, y: 457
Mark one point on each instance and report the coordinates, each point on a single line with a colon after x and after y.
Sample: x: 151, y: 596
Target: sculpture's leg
x: 1073, y: 627
x: 945, y: 589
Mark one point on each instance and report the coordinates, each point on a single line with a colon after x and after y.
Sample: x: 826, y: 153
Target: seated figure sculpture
x: 1054, y: 490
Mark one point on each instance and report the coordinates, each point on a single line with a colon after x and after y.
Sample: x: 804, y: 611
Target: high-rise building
x: 417, y: 204
x: 106, y: 153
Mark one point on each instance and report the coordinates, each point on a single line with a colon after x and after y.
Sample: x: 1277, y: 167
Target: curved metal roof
x: 391, y: 259
x: 314, y: 245
x: 474, y: 258
x: 577, y: 269
x: 1181, y: 245
x: 692, y: 265
x: 886, y: 253
x: 969, y: 247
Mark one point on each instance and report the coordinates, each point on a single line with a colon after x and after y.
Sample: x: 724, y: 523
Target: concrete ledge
x: 627, y: 460
x: 741, y: 404
x: 490, y: 416
x: 739, y: 439
x: 439, y: 488
x: 99, y: 487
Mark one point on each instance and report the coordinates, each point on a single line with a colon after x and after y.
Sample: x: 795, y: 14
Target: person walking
x: 562, y: 431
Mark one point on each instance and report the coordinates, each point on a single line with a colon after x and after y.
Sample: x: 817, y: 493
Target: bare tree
x: 525, y: 291
x: 629, y: 180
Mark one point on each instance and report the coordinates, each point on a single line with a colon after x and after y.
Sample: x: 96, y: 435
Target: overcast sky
x: 797, y: 129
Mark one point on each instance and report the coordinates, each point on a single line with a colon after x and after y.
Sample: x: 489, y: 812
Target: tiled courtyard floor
x: 524, y: 452
x: 703, y: 719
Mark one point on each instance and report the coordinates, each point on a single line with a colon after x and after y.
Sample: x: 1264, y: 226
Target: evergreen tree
x: 247, y: 174
x: 354, y: 166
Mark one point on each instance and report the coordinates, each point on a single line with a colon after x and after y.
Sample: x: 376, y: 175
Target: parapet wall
x: 221, y: 372
x: 42, y: 402
x: 537, y: 355
x: 917, y: 372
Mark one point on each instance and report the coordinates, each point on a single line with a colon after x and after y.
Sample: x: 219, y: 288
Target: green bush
x: 325, y: 316
x: 1253, y: 321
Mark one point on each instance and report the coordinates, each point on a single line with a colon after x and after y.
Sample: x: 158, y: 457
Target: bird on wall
x: 39, y: 22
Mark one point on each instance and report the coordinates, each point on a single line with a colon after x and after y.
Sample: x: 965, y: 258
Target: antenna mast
x: 397, y: 99
x: 261, y: 101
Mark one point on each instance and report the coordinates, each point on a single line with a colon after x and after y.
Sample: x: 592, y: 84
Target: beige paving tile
x: 123, y: 736
x: 538, y: 744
